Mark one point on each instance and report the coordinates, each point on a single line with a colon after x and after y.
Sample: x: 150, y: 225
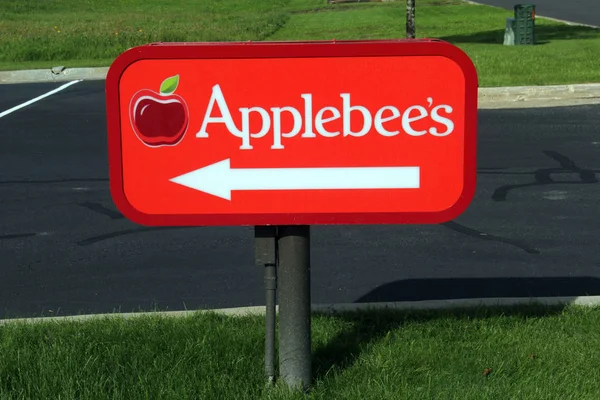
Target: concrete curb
x: 56, y: 74
x: 488, y: 97
x: 521, y: 96
x: 431, y: 305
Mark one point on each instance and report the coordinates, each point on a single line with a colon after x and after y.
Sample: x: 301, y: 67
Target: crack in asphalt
x: 455, y: 226
x: 100, y: 238
x: 16, y: 236
x: 41, y: 182
x: 100, y: 209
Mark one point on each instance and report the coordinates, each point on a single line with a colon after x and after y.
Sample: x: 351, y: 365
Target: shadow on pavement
x: 456, y: 288
x: 544, y: 176
x: 543, y: 34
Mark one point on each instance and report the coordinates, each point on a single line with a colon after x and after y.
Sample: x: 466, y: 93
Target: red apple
x: 159, y: 119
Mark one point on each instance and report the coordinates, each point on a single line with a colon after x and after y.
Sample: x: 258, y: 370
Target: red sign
x: 284, y: 133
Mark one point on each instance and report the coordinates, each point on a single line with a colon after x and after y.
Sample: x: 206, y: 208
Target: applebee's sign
x: 292, y: 133
x: 312, y: 124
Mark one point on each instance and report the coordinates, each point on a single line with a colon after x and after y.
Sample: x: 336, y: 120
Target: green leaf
x: 169, y: 85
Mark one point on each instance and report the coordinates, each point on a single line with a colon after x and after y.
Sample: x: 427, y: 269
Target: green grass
x: 563, y: 54
x: 49, y: 30
x: 42, y: 34
x: 533, y: 353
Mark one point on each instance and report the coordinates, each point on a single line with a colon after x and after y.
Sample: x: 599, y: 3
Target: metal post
x: 410, y: 19
x: 271, y: 286
x: 294, y: 305
x: 265, y: 248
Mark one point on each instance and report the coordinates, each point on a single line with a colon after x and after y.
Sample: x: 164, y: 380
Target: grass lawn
x: 564, y: 54
x: 51, y: 32
x: 92, y: 33
x: 528, y: 352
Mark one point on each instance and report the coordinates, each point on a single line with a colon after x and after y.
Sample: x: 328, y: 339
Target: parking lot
x: 65, y: 249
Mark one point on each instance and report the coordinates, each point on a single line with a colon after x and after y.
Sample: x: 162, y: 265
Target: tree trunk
x: 410, y: 19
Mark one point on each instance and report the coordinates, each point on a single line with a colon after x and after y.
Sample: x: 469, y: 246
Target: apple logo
x: 159, y: 119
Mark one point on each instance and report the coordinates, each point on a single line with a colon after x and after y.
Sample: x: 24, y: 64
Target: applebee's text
x: 388, y: 121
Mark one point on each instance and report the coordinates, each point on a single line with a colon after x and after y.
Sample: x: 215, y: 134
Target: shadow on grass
x: 543, y: 34
x: 366, y: 327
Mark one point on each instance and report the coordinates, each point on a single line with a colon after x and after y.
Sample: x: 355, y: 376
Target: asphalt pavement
x: 65, y: 249
x: 578, y: 11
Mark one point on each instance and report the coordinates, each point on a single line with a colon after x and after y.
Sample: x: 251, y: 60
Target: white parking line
x: 50, y: 93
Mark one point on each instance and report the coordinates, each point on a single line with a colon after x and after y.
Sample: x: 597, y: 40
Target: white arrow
x: 219, y: 179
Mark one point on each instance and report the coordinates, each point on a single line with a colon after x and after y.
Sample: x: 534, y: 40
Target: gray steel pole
x: 271, y: 287
x: 294, y: 306
x: 265, y: 248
